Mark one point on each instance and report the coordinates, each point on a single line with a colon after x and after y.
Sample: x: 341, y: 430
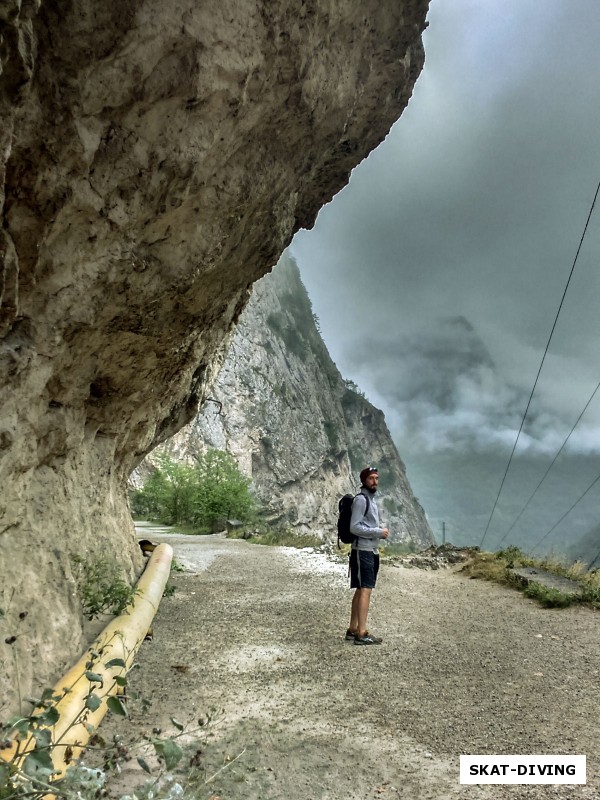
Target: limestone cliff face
x: 155, y: 159
x: 283, y: 410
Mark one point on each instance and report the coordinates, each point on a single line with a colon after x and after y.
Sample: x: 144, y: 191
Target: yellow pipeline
x: 119, y: 640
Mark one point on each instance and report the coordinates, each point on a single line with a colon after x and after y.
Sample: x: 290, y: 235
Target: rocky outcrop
x: 154, y: 161
x: 295, y: 427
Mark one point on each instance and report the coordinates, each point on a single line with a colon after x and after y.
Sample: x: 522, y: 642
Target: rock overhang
x: 155, y: 162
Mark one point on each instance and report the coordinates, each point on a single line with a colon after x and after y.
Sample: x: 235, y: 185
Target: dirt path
x: 256, y: 633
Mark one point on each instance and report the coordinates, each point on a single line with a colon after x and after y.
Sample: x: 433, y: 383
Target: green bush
x: 510, y: 553
x: 168, y: 493
x: 351, y: 402
x: 221, y: 489
x: 102, y: 588
x: 548, y: 597
x: 292, y: 332
x: 267, y: 443
x: 591, y: 594
x: 197, y: 495
x: 296, y: 343
x: 27, y: 771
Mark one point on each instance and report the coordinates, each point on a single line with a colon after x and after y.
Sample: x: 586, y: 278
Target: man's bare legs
x: 360, y: 611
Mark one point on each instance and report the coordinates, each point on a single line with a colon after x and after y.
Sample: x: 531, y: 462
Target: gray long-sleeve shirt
x: 365, y: 526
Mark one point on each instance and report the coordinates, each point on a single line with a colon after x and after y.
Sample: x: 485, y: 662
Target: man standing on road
x: 364, y: 556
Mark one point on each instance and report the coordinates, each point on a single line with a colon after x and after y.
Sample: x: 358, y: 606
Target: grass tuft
x: 548, y: 597
x: 488, y: 567
x: 497, y: 567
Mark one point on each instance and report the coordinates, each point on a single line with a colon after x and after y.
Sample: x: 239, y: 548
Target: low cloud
x: 474, y: 206
x: 438, y: 271
x: 443, y: 391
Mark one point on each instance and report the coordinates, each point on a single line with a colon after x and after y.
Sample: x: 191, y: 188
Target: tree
x: 200, y: 494
x: 223, y: 492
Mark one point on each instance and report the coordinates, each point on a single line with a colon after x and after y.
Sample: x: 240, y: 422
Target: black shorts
x: 364, y: 566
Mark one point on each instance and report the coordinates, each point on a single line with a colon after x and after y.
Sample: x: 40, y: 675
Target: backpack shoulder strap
x: 367, y: 501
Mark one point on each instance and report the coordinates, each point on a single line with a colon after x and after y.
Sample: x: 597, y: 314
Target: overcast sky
x: 437, y: 272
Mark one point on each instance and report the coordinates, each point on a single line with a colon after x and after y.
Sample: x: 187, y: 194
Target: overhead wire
x: 566, y: 514
x: 541, y: 363
x: 554, y: 460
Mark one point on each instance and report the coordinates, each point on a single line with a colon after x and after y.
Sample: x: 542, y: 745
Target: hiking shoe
x: 368, y: 639
x: 350, y: 635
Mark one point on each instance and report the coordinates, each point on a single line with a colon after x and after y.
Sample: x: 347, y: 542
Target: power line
x: 562, y: 447
x: 541, y: 363
x: 591, y: 486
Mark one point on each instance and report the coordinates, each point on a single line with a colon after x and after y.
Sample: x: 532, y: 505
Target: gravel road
x: 253, y: 639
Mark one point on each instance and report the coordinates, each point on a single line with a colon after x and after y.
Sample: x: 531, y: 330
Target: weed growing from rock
x: 101, y: 587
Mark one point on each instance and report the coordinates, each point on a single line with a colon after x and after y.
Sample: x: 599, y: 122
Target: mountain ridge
x: 294, y: 425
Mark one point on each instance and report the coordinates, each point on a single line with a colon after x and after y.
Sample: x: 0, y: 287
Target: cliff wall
x: 155, y: 160
x: 295, y: 427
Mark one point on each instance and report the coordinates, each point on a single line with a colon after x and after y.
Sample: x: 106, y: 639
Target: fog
x: 438, y: 271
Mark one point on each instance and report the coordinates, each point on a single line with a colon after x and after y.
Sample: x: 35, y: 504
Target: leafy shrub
x: 351, y: 402
x: 168, y: 493
x: 27, y: 771
x: 591, y: 594
x: 267, y: 443
x: 548, y: 597
x: 353, y: 388
x: 197, y: 495
x: 221, y: 489
x: 295, y: 343
x: 511, y: 553
x: 101, y: 587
